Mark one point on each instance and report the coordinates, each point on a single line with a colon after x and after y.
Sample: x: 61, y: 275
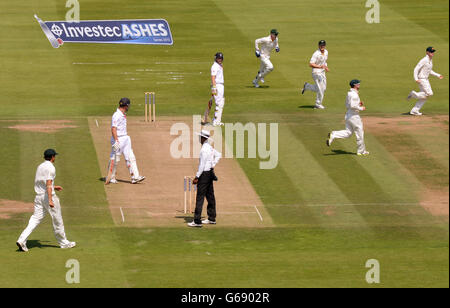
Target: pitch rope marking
x: 259, y: 214
x: 121, y: 213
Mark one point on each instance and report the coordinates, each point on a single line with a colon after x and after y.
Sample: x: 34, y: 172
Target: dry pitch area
x: 159, y: 200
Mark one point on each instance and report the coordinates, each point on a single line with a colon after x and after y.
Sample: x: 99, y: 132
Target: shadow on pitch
x: 339, y: 152
x: 306, y: 107
x: 103, y: 179
x: 38, y: 244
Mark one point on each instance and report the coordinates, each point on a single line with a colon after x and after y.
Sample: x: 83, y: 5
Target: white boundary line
x: 123, y: 217
x: 259, y: 214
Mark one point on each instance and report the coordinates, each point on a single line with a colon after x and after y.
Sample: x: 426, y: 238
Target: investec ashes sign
x: 140, y: 31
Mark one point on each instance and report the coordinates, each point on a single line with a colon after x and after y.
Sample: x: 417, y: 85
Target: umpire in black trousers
x: 204, y: 180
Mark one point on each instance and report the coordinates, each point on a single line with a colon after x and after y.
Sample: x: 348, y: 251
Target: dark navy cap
x: 50, y: 153
x: 431, y: 49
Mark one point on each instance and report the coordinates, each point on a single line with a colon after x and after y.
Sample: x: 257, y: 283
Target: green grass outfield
x: 375, y: 203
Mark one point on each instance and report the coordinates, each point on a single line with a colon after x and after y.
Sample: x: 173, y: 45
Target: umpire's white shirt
x: 424, y: 69
x: 209, y: 158
x: 265, y: 45
x: 319, y: 58
x: 119, y: 121
x: 45, y: 171
x: 352, y: 103
x: 217, y: 70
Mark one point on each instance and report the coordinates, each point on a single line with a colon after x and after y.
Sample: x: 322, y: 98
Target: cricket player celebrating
x: 121, y: 144
x: 353, y: 123
x: 204, y: 180
x: 421, y: 73
x: 264, y: 47
x: 319, y: 66
x: 46, y: 201
x: 217, y: 87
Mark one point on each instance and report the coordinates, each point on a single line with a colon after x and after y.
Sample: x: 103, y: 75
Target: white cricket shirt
x: 265, y: 45
x: 319, y: 58
x: 45, y: 171
x: 217, y: 70
x: 424, y: 69
x: 209, y: 158
x: 119, y: 121
x: 352, y: 103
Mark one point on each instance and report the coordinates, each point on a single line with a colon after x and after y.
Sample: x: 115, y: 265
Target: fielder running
x: 217, y: 87
x: 45, y: 202
x: 264, y: 47
x: 319, y: 66
x: 121, y: 144
x: 204, y: 180
x: 421, y: 73
x: 353, y: 123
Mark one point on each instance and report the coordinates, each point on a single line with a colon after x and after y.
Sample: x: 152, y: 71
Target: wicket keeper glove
x: 213, y: 90
x: 258, y: 54
x: 277, y: 49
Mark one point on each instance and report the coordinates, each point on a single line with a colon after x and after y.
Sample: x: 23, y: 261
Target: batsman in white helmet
x: 319, y: 66
x: 121, y: 144
x: 264, y: 47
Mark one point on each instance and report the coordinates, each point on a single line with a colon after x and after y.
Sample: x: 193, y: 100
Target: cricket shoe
x: 208, y: 222
x: 217, y: 123
x: 365, y: 153
x: 194, y: 225
x: 329, y: 140
x: 22, y: 246
x: 113, y: 181
x: 262, y: 80
x: 319, y: 107
x: 138, y: 180
x: 304, y: 88
x: 415, y: 113
x: 410, y: 95
x: 68, y: 245
x: 255, y: 83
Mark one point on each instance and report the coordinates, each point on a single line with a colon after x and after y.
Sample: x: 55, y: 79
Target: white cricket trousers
x: 423, y: 95
x: 127, y: 151
x: 353, y: 124
x: 41, y: 208
x: 319, y: 86
x: 219, y: 102
x: 265, y: 68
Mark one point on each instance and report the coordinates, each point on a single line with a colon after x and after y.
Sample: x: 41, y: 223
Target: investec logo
x: 123, y: 31
x: 131, y: 31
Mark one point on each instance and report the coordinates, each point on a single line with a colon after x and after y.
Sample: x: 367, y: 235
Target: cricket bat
x: 207, y: 111
x: 110, y: 171
x: 51, y: 38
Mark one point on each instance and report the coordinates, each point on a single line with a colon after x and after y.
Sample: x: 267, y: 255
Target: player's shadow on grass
x: 306, y: 107
x: 38, y: 244
x: 339, y: 152
x: 260, y: 87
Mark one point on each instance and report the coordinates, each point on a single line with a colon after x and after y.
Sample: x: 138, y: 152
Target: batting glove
x: 116, y: 146
x: 214, y: 91
x: 277, y: 49
x: 258, y: 54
